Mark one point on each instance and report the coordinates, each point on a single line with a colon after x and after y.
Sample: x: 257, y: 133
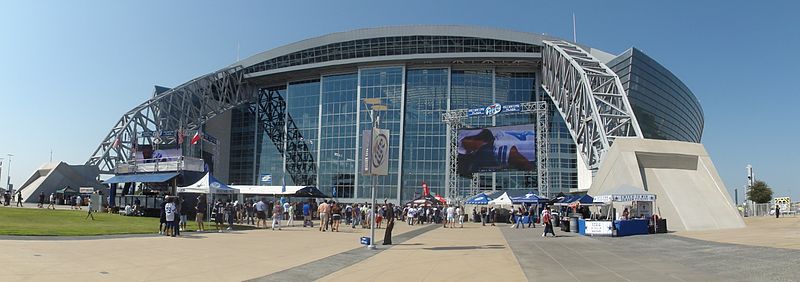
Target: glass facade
x: 425, y: 136
x: 337, y: 151
x: 665, y: 108
x: 331, y: 115
x: 386, y: 85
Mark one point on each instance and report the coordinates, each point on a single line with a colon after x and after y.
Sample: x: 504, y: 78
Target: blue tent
x: 585, y: 199
x: 529, y: 198
x: 480, y: 199
x: 568, y: 199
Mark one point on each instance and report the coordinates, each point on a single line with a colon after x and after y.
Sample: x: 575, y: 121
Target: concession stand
x: 624, y: 211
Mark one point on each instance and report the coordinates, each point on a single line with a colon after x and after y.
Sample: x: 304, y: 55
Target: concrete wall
x: 54, y: 176
x: 689, y: 192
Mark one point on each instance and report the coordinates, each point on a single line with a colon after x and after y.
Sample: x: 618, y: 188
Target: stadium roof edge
x: 406, y: 30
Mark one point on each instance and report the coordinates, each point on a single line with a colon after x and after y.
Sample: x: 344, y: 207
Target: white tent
x: 502, y: 200
x: 208, y: 185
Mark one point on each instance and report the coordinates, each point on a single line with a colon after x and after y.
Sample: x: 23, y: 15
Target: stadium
x: 295, y: 116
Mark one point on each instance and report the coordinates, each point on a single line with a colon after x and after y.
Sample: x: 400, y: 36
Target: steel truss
x: 272, y: 116
x: 185, y: 107
x: 590, y: 98
x: 455, y: 121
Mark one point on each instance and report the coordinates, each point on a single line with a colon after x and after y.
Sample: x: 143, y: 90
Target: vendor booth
x: 208, y: 187
x: 502, y: 200
x: 628, y: 209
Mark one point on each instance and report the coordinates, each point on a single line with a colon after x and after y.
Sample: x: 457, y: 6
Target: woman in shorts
x: 336, y: 212
x: 201, y: 212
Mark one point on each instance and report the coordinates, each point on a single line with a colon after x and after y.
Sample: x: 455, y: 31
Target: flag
x: 180, y: 136
x: 117, y: 142
x: 333, y: 191
x: 425, y: 190
x: 283, y: 184
x: 196, y: 138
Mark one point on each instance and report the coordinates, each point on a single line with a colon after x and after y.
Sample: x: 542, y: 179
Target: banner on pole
x: 375, y: 152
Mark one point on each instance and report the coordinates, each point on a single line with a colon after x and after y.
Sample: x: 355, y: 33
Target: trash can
x: 573, y: 224
x: 556, y: 222
x: 565, y: 225
x: 661, y: 225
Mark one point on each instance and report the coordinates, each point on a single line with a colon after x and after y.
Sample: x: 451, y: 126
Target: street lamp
x: 374, y: 104
x: 8, y: 182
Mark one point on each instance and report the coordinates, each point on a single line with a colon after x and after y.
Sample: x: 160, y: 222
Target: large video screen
x: 496, y: 149
x: 165, y: 153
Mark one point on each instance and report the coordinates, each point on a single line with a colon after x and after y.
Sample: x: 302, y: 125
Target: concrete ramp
x: 53, y: 176
x: 689, y: 192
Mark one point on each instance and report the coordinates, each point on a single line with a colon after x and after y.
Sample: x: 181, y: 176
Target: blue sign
x: 266, y: 179
x: 364, y: 240
x: 494, y: 109
x: 512, y: 108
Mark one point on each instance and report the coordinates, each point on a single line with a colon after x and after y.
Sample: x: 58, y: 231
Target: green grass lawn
x: 43, y: 222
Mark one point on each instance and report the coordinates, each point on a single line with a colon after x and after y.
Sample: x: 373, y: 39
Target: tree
x: 760, y: 192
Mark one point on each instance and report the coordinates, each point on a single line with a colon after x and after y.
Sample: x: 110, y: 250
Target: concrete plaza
x: 427, y: 252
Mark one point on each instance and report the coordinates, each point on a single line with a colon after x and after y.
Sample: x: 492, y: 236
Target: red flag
x: 116, y: 142
x: 196, y: 138
x: 180, y: 137
x: 425, y: 190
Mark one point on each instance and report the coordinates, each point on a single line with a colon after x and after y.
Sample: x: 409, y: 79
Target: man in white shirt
x: 261, y: 214
x: 451, y: 216
x: 460, y: 215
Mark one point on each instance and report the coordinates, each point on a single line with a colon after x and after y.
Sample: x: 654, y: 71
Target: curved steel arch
x: 187, y: 107
x: 590, y: 98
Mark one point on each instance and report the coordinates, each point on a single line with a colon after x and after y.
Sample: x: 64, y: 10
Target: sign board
x: 266, y: 179
x: 86, y: 190
x: 634, y: 197
x: 625, y: 198
x: 375, y: 152
x: 494, y: 109
x: 598, y: 228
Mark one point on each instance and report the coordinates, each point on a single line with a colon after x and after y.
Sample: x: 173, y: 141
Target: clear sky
x: 70, y: 69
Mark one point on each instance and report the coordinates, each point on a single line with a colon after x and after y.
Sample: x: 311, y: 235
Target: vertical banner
x: 375, y: 152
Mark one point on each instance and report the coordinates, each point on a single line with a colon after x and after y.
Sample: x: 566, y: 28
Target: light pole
x: 374, y: 104
x: 8, y: 182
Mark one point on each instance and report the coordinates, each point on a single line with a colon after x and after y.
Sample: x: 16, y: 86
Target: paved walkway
x: 423, y: 253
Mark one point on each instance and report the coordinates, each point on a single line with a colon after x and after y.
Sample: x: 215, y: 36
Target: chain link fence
x: 768, y: 209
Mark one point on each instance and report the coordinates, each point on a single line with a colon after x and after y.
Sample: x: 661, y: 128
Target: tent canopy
x: 424, y: 200
x: 145, y: 177
x: 309, y: 192
x: 528, y: 198
x: 502, y: 200
x: 480, y: 199
x: 67, y: 190
x: 208, y: 185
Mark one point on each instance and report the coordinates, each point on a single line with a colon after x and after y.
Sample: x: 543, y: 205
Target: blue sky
x: 70, y: 69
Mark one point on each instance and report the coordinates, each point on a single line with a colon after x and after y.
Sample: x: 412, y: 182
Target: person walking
x: 183, y: 210
x: 41, y: 200
x: 200, y: 210
x: 162, y: 217
x: 90, y: 210
x: 261, y: 214
x: 547, y: 222
x: 323, y: 216
x: 777, y: 211
x: 290, y: 220
x: 219, y: 215
x: 277, y: 214
x: 336, y: 214
x: 52, y: 203
x: 460, y: 215
x: 230, y: 214
x: 356, y: 215
x: 19, y: 199
x: 531, y: 216
x: 307, y: 215
x: 451, y: 217
x: 390, y: 217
